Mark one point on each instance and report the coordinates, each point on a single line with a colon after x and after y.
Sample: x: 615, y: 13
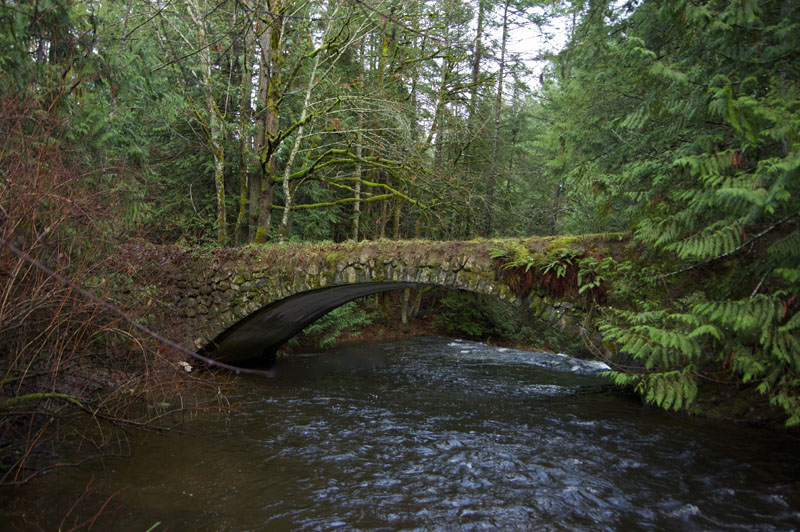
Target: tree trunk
x: 498, y: 106
x: 214, y: 128
x: 398, y: 208
x: 476, y: 67
x: 384, y: 218
x: 418, y: 301
x: 245, y: 115
x: 556, y: 208
x: 259, y: 141
x: 472, y: 119
x: 287, y: 191
x: 404, y: 312
x: 253, y: 204
x: 437, y: 125
x: 357, y: 191
x: 272, y: 62
x: 219, y: 182
x: 265, y: 202
x: 382, y: 64
x: 439, y: 142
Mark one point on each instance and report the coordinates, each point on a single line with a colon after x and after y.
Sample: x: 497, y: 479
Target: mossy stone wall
x: 204, y: 292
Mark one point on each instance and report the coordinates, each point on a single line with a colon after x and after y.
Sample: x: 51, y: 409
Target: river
x: 437, y: 434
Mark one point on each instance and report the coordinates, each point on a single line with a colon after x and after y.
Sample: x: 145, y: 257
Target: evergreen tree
x: 686, y: 117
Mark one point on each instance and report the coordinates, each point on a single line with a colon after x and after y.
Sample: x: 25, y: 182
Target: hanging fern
x: 558, y: 272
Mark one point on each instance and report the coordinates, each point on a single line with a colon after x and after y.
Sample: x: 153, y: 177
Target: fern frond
x: 742, y: 316
x: 669, y: 390
x: 710, y: 243
x: 786, y: 248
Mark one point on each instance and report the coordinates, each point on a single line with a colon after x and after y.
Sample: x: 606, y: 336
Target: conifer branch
x: 732, y: 252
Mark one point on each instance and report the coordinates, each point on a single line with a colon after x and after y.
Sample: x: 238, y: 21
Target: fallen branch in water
x: 14, y: 401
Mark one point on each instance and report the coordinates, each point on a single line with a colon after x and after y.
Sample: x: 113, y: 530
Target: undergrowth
x: 63, y: 358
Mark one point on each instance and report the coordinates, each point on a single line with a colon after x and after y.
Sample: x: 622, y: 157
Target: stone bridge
x: 241, y: 303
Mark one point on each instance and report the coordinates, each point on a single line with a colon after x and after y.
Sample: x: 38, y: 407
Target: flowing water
x: 436, y: 434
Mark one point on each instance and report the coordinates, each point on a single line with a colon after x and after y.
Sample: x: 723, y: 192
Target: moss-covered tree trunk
x: 272, y: 62
x: 245, y: 116
x: 498, y: 106
x: 213, y: 125
x: 357, y: 187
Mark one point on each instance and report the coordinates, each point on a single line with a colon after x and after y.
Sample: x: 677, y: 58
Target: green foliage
x: 466, y: 315
x: 559, y: 270
x: 685, y: 117
x: 330, y: 328
x: 668, y: 390
x: 477, y: 317
x: 677, y: 121
x: 753, y: 339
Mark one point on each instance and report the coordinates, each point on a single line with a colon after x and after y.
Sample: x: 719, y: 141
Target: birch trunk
x: 287, y: 191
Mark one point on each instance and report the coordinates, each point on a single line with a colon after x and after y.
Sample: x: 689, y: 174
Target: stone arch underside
x: 257, y: 337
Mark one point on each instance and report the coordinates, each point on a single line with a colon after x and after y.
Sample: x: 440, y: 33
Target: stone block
x: 350, y: 273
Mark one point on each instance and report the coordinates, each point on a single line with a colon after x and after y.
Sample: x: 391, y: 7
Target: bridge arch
x: 207, y: 296
x: 259, y: 335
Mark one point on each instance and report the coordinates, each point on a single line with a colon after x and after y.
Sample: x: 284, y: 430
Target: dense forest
x: 239, y: 122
